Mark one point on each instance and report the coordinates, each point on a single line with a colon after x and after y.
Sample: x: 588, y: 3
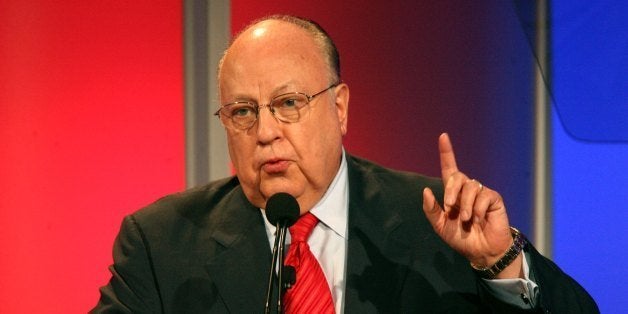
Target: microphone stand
x: 282, y: 286
x: 282, y: 210
x: 278, y: 249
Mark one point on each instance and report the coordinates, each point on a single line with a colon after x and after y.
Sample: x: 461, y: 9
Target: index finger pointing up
x: 447, y: 159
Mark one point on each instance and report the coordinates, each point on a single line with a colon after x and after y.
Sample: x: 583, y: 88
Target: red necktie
x: 310, y: 294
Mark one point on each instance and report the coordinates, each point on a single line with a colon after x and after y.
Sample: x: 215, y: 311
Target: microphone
x: 282, y: 211
x: 289, y: 276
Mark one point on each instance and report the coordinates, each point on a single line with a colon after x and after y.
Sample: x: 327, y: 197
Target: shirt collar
x: 332, y: 208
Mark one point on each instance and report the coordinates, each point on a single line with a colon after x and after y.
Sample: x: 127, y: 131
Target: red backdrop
x: 91, y: 128
x: 419, y: 68
x: 91, y: 117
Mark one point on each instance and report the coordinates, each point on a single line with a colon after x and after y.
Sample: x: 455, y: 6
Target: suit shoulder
x: 390, y: 177
x: 194, y: 202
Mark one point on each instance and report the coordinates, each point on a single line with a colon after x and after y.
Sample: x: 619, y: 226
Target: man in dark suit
x: 208, y: 249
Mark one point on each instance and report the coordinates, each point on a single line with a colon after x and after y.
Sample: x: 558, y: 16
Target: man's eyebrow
x: 238, y: 98
x: 283, y: 88
x: 286, y: 87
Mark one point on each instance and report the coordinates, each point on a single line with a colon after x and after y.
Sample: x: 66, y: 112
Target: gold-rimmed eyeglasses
x: 288, y: 107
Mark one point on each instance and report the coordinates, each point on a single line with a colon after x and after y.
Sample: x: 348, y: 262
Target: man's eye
x: 289, y: 102
x: 242, y: 111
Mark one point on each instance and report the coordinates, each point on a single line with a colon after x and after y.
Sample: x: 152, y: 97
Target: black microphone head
x: 289, y: 276
x: 282, y: 208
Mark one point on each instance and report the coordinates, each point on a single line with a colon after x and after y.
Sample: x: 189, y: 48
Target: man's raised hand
x: 473, y: 219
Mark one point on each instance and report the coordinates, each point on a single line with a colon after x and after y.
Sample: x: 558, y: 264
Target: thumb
x: 432, y: 209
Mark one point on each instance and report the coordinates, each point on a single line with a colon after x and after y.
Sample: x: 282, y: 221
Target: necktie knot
x: 301, y: 230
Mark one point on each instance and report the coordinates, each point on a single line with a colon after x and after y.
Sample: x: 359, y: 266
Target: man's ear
x: 342, y: 106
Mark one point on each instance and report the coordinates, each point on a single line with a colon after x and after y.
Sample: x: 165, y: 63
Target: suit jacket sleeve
x: 132, y: 287
x: 558, y: 292
x: 398, y: 264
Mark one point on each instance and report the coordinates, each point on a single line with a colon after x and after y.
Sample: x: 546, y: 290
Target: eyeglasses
x: 287, y: 108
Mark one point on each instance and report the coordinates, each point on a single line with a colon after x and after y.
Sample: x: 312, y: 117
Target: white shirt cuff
x: 521, y: 292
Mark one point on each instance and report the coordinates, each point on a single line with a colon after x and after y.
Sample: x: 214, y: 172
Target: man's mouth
x: 275, y: 166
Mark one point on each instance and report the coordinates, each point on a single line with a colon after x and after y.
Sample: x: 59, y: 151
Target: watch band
x: 519, y: 242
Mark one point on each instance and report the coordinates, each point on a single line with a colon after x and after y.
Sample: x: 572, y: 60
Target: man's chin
x: 280, y: 186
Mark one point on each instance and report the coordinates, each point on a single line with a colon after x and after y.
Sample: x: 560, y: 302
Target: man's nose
x: 268, y: 126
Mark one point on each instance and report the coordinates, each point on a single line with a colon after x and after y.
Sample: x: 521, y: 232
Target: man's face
x: 299, y: 158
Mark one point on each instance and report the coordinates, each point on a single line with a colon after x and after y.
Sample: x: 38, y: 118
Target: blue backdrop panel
x: 590, y: 68
x: 590, y: 145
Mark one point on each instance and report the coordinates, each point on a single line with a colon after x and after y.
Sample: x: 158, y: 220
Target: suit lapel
x: 375, y: 262
x: 240, y: 271
x: 377, y: 252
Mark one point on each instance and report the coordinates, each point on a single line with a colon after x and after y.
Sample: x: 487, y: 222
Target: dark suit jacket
x: 206, y: 250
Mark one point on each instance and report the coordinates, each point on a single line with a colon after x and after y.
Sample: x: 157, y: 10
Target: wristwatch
x: 519, y: 242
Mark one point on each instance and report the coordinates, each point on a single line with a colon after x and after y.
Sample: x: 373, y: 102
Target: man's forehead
x: 271, y: 40
x: 261, y: 29
x: 267, y: 52
x: 271, y: 30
